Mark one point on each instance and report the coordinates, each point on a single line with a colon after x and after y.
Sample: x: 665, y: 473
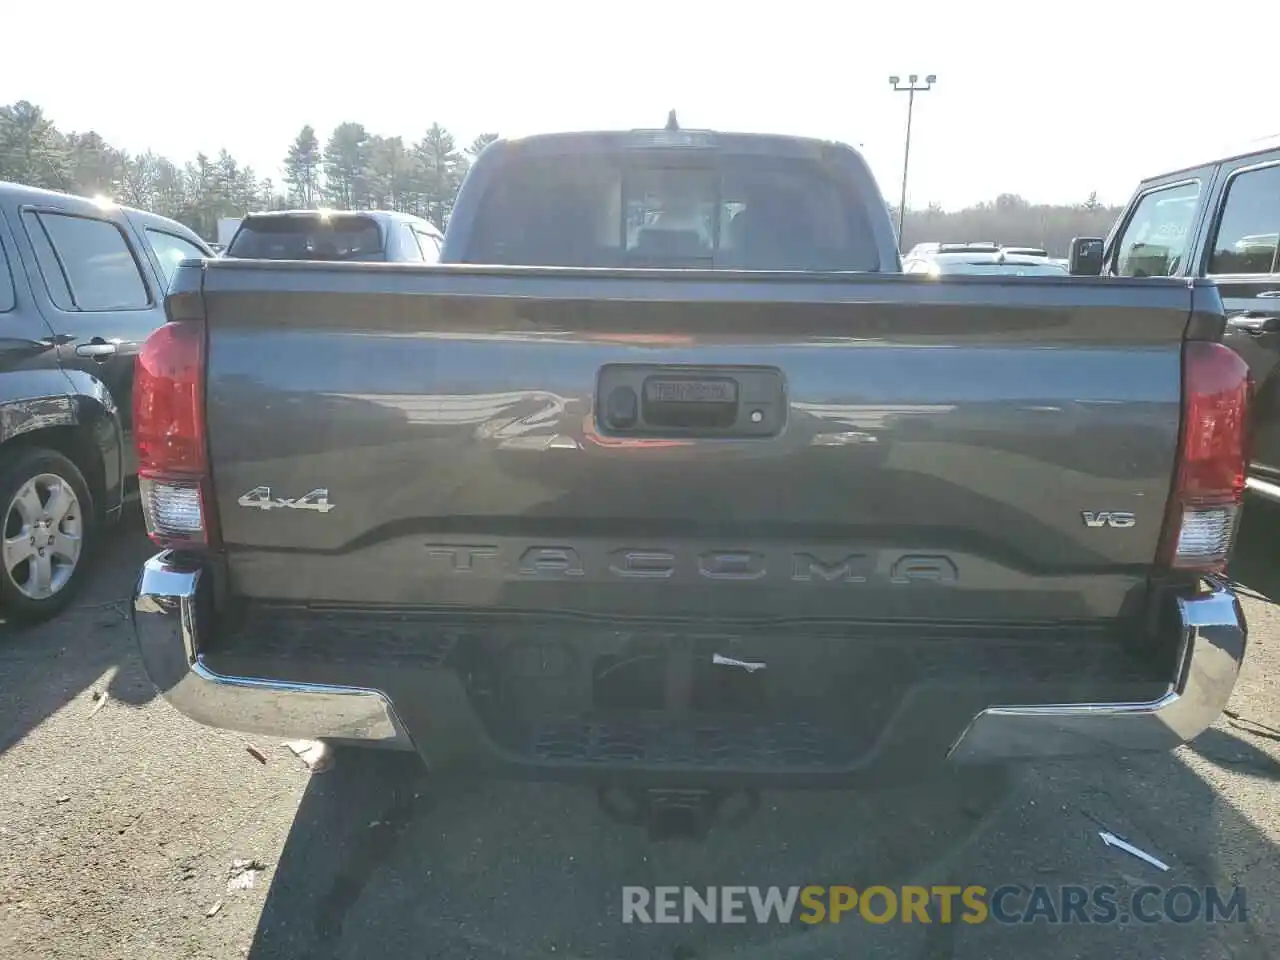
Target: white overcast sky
x: 1047, y: 99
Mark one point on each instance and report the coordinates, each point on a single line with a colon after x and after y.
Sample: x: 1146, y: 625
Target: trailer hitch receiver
x: 677, y: 813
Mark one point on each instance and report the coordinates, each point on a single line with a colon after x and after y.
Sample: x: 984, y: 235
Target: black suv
x: 82, y: 285
x: 1219, y: 220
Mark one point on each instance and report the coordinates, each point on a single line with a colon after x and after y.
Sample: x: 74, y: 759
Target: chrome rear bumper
x: 172, y: 596
x: 1213, y: 644
x: 166, y: 620
x: 1264, y: 488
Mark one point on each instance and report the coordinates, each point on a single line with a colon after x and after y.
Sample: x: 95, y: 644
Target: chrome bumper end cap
x: 169, y: 606
x: 1214, y: 637
x: 1263, y: 488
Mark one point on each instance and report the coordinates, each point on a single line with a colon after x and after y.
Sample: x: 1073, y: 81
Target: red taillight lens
x: 169, y: 435
x: 168, y: 401
x: 1213, y: 459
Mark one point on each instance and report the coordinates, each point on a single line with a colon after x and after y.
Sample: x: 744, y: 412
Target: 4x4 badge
x: 261, y: 498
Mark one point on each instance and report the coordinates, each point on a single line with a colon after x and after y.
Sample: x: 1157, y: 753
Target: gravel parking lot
x: 120, y: 821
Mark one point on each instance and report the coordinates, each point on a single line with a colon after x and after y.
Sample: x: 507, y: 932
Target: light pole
x: 911, y: 89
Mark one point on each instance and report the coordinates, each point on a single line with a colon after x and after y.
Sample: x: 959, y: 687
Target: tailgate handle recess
x: 643, y: 400
x: 690, y: 401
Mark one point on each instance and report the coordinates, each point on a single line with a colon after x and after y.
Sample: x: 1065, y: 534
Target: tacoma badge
x: 261, y: 498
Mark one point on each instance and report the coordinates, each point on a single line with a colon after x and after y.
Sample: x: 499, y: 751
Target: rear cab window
x: 87, y: 264
x: 1155, y: 240
x: 656, y: 208
x: 1247, y: 237
x: 309, y: 236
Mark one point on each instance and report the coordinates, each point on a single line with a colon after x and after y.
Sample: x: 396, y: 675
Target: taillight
x: 169, y: 435
x: 1208, y: 486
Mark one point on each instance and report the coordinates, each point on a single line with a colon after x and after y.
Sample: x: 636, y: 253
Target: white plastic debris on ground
x: 243, y: 874
x: 1111, y: 840
x: 317, y: 755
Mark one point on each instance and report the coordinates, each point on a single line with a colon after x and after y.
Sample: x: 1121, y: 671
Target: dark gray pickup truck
x: 727, y: 502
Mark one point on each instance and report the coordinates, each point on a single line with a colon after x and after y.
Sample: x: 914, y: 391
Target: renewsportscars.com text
x: 973, y: 904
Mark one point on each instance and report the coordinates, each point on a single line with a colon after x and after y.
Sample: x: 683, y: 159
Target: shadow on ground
x: 382, y: 858
x: 384, y: 861
x: 48, y: 665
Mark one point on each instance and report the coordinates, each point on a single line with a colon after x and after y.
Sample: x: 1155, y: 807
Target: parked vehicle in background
x: 81, y: 287
x: 365, y: 236
x: 920, y: 249
x: 1220, y: 220
x: 998, y: 262
x: 950, y: 246
x: 761, y: 512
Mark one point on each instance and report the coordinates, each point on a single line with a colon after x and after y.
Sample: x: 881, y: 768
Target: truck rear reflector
x: 1212, y: 459
x: 169, y: 436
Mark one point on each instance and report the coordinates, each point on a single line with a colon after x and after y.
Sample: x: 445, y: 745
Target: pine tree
x: 302, y: 168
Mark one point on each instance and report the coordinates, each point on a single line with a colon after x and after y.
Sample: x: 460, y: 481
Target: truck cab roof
x: 737, y: 142
x: 672, y: 198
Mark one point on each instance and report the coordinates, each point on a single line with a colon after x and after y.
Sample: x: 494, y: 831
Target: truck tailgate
x: 819, y: 447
